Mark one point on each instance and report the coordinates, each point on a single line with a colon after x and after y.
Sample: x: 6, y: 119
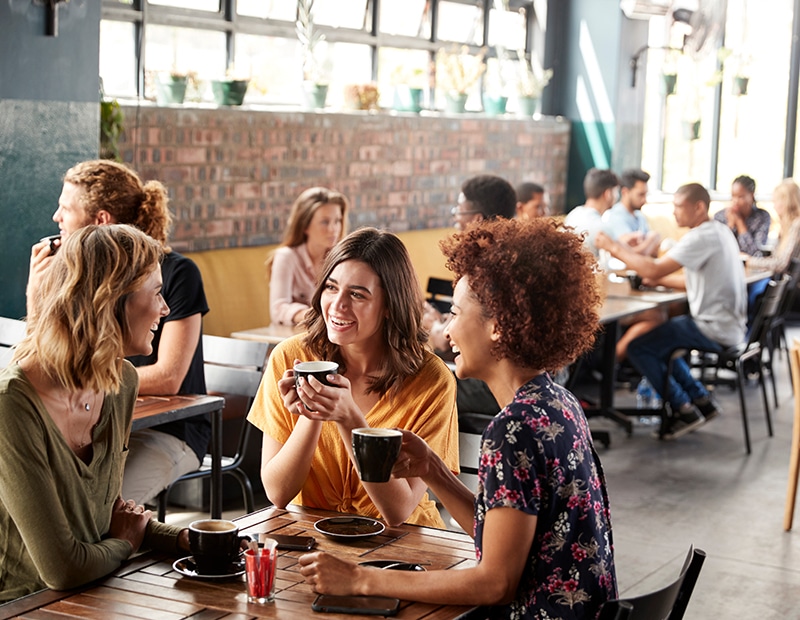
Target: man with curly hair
x: 526, y: 301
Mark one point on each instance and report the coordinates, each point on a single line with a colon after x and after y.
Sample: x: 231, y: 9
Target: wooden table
x: 154, y: 410
x: 147, y: 587
x: 271, y: 334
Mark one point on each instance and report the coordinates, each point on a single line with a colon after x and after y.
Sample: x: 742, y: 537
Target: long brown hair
x: 77, y: 326
x: 115, y: 188
x: 386, y: 255
x: 303, y: 210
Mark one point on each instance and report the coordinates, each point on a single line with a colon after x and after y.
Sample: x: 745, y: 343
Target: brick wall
x: 233, y: 173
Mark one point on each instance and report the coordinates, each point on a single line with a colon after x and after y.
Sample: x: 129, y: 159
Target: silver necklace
x: 82, y: 441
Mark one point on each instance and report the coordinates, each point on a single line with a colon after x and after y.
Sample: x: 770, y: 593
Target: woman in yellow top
x: 365, y: 315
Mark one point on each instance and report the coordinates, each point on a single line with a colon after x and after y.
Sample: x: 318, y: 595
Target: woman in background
x: 66, y: 403
x: 786, y: 199
x: 365, y: 315
x: 317, y: 221
x: 525, y: 302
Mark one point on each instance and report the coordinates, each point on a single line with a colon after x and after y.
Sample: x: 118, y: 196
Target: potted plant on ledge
x: 231, y: 90
x: 531, y: 83
x: 456, y: 73
x: 315, y: 87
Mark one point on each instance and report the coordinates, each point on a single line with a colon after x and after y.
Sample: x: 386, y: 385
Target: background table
x: 154, y: 410
x: 147, y: 587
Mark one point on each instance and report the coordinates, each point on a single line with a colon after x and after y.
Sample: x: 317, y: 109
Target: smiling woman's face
x: 143, y: 311
x: 469, y: 333
x: 353, y: 305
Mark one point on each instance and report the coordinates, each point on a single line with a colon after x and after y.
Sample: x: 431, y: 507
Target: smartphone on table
x: 364, y: 605
x: 293, y: 543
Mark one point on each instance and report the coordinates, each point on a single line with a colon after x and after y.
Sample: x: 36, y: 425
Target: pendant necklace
x: 86, y: 407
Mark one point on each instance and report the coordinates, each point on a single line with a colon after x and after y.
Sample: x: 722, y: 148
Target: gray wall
x: 49, y: 120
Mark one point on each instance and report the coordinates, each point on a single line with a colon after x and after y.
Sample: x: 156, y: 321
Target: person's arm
x: 787, y: 249
x: 507, y: 537
x: 41, y: 257
x: 416, y: 459
x: 282, y: 307
x: 175, y: 352
x: 645, y: 266
x: 752, y: 235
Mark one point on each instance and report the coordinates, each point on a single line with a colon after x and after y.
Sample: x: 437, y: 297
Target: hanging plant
x: 111, y: 126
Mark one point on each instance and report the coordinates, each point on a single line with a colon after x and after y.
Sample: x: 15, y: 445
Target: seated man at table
x: 714, y: 280
x: 626, y: 217
x: 600, y: 188
x: 749, y: 223
x: 531, y: 201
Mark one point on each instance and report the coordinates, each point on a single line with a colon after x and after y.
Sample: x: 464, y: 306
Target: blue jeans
x: 650, y: 354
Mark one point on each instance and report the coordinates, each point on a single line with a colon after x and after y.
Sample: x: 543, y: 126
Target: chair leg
x: 794, y: 474
x: 761, y: 380
x: 247, y: 488
x: 162, y: 505
x: 740, y: 377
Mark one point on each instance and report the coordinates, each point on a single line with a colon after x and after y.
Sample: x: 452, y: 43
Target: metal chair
x: 11, y: 332
x: 668, y: 603
x: 776, y: 338
x: 232, y: 368
x: 734, y: 358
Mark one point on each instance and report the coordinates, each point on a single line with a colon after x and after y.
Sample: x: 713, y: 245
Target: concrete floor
x: 703, y: 490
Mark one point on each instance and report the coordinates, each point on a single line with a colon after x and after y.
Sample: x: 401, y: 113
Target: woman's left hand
x: 325, y: 402
x: 329, y: 575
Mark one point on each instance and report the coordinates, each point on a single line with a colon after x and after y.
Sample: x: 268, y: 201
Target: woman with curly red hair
x: 526, y: 293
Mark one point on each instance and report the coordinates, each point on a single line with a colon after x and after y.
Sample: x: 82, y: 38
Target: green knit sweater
x: 55, y: 510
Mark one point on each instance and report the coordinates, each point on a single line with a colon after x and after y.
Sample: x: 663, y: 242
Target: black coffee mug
x: 635, y: 280
x: 215, y: 544
x: 375, y: 451
x: 318, y: 370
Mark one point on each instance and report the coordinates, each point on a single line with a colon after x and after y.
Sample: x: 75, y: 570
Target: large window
x: 389, y: 42
x: 699, y: 132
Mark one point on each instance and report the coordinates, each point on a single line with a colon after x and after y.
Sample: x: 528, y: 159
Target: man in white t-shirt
x: 600, y: 189
x: 714, y: 281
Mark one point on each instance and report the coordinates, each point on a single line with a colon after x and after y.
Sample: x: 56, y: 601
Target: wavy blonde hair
x: 115, y: 188
x: 77, y: 327
x: 790, y: 192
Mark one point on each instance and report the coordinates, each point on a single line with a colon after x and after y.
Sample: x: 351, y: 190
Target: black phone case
x: 362, y: 605
x: 294, y: 543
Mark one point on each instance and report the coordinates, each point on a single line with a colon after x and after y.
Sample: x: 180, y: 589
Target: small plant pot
x: 740, y: 84
x: 407, y: 99
x: 527, y: 106
x: 455, y: 103
x: 170, y: 89
x: 315, y: 95
x: 691, y: 130
x: 669, y: 82
x: 494, y: 105
x: 229, y: 92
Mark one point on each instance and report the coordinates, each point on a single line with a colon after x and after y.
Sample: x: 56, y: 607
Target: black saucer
x: 187, y: 568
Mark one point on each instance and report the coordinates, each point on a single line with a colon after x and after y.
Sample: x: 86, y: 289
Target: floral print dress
x: 537, y: 456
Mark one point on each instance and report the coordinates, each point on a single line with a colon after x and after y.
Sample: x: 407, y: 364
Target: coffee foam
x: 213, y: 525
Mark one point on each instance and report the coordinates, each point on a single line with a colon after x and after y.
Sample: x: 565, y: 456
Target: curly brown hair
x: 536, y: 281
x: 113, y: 187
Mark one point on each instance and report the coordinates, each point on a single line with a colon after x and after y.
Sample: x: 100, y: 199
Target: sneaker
x: 684, y: 422
x: 708, y: 407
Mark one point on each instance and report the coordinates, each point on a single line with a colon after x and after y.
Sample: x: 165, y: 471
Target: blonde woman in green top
x: 66, y: 404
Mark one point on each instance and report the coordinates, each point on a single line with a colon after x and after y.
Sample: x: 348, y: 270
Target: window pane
x: 351, y: 63
x: 405, y: 17
x: 755, y: 123
x: 274, y: 66
x: 349, y: 14
x: 460, y: 22
x: 507, y: 28
x: 197, y: 5
x: 401, y: 67
x: 458, y: 71
x: 118, y: 58
x: 185, y: 50
x: 272, y: 9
